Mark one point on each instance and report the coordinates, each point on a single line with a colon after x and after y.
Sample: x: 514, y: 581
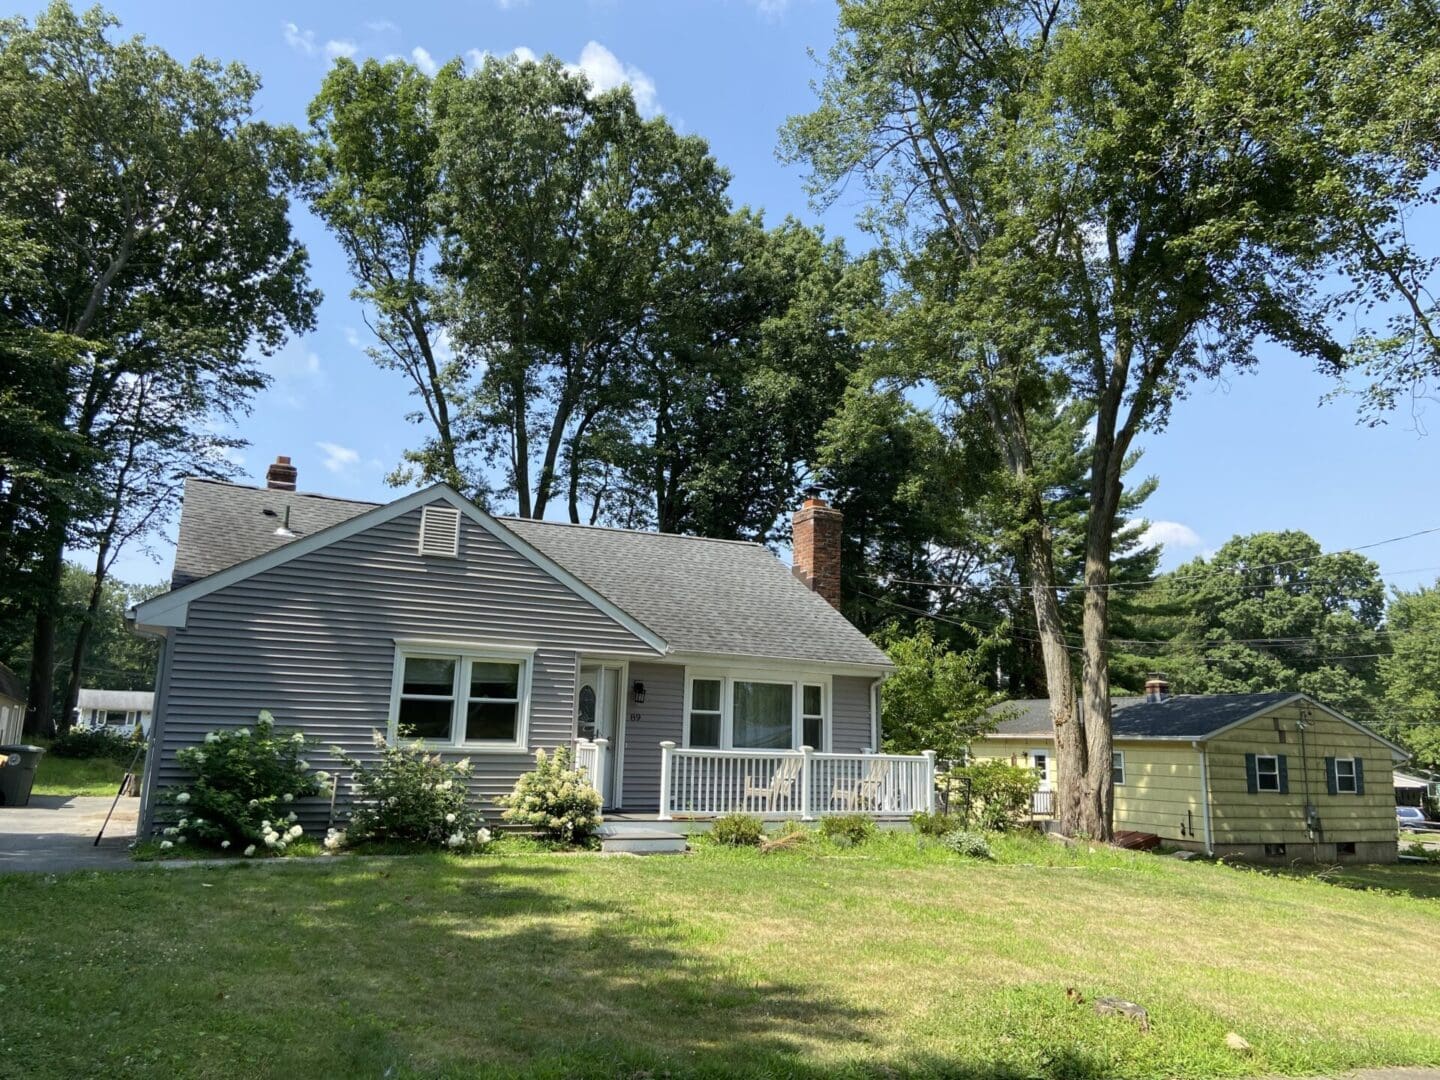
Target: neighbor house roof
x: 1180, y: 716
x: 702, y: 596
x: 119, y: 700
x: 11, y: 688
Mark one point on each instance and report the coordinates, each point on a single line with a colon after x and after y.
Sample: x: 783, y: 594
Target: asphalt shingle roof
x: 1181, y: 716
x: 704, y: 596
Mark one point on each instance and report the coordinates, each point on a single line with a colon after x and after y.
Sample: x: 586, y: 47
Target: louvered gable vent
x: 440, y: 531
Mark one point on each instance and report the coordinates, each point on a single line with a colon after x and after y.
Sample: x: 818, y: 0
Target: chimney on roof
x: 1157, y: 687
x: 282, y: 475
x: 815, y: 540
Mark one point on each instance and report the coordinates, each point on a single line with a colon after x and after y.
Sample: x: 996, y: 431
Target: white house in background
x: 118, y: 711
x: 12, y: 706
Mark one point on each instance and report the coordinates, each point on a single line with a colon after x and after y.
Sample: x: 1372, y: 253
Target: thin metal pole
x: 123, y: 781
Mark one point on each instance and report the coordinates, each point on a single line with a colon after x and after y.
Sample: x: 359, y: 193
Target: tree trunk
x: 1098, y: 793
x: 39, y: 709
x: 82, y: 640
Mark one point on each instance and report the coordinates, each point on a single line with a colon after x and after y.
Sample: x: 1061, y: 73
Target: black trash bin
x: 17, y: 773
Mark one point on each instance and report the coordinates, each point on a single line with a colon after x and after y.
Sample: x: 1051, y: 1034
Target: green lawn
x: 77, y: 776
x: 890, y: 959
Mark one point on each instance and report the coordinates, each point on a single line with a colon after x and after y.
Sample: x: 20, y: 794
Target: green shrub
x: 1000, y: 793
x: 246, y: 784
x: 972, y: 845
x: 738, y: 830
x: 848, y: 828
x: 933, y: 824
x: 93, y: 743
x: 412, y: 796
x: 554, y: 799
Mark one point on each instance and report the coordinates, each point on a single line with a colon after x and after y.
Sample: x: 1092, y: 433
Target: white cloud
x: 338, y: 458
x: 1172, y: 534
x: 477, y: 58
x: 424, y: 61
x: 353, y: 338
x: 770, y: 9
x: 524, y: 55
x: 605, y: 72
x: 294, y: 371
x: 382, y: 26
x: 340, y: 47
x: 506, y: 5
x: 302, y: 41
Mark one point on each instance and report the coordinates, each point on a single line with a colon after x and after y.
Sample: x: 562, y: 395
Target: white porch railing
x: 590, y: 757
x: 793, y: 783
x: 1042, y: 804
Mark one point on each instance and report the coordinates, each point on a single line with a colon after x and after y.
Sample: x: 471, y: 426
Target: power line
x: 1213, y: 572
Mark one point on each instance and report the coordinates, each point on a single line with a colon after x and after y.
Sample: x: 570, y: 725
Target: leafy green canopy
x: 574, y: 302
x: 1410, y: 709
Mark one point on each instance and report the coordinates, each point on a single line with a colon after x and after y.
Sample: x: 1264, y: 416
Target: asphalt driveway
x: 56, y: 833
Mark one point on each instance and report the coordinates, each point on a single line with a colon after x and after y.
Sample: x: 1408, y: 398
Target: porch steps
x: 637, y: 838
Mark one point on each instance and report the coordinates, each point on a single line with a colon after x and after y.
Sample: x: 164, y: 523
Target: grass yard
x: 890, y: 959
x: 77, y: 776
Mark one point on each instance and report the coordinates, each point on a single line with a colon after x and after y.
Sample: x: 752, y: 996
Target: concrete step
x: 637, y: 839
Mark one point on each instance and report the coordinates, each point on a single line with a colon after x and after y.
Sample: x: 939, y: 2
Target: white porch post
x: 929, y: 781
x: 666, y: 748
x: 599, y: 781
x: 805, y: 776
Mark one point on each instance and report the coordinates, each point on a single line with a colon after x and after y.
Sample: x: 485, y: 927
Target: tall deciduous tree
x: 1410, y: 708
x: 1077, y: 193
x: 159, y: 250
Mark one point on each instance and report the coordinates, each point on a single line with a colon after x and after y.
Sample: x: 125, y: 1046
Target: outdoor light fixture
x: 639, y: 691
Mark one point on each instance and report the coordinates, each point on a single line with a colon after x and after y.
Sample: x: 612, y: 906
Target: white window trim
x: 796, y: 680
x: 1117, y: 760
x: 1260, y: 788
x: 465, y: 654
x: 1354, y: 787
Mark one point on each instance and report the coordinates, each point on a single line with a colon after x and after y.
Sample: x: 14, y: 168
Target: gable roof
x: 705, y: 596
x: 699, y: 595
x: 1180, y: 716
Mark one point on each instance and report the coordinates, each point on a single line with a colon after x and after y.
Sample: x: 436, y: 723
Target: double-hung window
x: 741, y: 712
x: 1117, y: 768
x: 461, y: 697
x: 1267, y: 772
x: 1345, y: 776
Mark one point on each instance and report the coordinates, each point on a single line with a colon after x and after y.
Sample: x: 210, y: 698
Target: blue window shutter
x: 1359, y: 776
x: 1252, y: 783
x: 1284, y: 775
x: 1331, y: 784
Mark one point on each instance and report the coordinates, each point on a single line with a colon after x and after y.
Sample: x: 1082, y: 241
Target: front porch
x: 703, y: 784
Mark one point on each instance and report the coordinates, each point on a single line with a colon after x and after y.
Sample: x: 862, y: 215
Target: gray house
x: 692, y: 676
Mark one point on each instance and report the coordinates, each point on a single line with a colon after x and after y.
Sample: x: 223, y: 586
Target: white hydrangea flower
x: 449, y: 819
x: 198, y: 758
x: 456, y: 841
x: 297, y: 737
x: 171, y: 831
x: 291, y: 816
x: 249, y: 851
x: 295, y: 831
x: 244, y: 733
x: 183, y: 797
x: 334, y: 839
x: 166, y: 845
x: 254, y: 803
x: 303, y: 766
x: 212, y: 736
x: 482, y: 836
x: 265, y: 825
x: 182, y: 822
x: 224, y: 843
x: 287, y: 797
x: 180, y: 839
x: 322, y: 776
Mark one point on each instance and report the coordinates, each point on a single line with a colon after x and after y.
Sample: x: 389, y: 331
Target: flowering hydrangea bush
x: 245, y: 789
x: 554, y: 799
x: 412, y: 796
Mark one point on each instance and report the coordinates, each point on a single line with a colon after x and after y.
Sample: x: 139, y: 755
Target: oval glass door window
x: 587, y: 712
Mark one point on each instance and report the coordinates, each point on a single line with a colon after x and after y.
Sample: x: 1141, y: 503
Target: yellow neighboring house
x: 1275, y: 776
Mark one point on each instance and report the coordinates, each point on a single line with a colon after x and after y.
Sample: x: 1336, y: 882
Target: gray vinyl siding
x: 313, y: 641
x: 850, y: 721
x: 647, y: 725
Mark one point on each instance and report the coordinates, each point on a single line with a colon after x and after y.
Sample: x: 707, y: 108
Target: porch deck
x: 701, y: 784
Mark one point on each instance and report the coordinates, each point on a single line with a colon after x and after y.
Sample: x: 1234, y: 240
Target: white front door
x: 597, y: 708
x: 1044, y: 767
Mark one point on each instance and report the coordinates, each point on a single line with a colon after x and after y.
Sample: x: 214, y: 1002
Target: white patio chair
x: 779, y: 786
x: 866, y: 792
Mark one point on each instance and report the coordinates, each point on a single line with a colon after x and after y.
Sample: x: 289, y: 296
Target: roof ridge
x: 508, y: 518
x: 280, y: 491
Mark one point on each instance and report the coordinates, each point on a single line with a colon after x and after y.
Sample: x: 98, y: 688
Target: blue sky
x: 1257, y: 452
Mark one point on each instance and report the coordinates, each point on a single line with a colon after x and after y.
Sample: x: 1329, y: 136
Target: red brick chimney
x: 282, y: 475
x: 1157, y: 687
x: 816, y: 545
